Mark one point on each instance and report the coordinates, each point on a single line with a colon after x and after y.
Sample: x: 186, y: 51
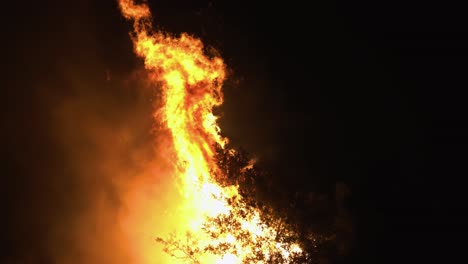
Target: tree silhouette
x: 258, y: 197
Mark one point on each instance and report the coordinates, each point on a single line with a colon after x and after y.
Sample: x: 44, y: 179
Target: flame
x: 191, y: 84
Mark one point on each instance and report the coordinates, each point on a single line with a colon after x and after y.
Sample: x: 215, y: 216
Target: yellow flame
x: 191, y: 84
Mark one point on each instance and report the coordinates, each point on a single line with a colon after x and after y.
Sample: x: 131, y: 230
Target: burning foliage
x: 250, y: 225
x: 222, y: 216
x: 257, y: 193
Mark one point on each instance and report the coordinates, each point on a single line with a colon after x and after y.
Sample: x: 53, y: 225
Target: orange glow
x: 191, y: 84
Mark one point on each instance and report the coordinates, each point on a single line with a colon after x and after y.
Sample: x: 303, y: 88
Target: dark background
x: 368, y: 93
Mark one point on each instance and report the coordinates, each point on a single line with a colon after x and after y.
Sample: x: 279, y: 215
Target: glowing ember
x: 217, y: 219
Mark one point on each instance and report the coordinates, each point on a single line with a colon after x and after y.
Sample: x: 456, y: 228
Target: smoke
x: 105, y: 145
x: 102, y: 148
x: 79, y: 139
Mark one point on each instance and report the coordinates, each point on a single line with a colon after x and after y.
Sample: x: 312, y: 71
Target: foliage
x: 257, y: 194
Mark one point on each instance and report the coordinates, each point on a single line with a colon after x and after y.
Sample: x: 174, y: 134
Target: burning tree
x: 256, y: 195
x: 222, y: 218
x: 250, y: 229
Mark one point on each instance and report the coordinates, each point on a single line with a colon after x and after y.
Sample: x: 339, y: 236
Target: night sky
x: 366, y: 93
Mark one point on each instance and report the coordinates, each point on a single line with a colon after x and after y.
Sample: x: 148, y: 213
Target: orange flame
x: 191, y: 83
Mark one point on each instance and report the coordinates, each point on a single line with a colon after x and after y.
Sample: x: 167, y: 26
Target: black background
x: 368, y: 93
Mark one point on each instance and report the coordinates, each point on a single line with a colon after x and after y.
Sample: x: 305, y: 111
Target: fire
x: 191, y: 84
